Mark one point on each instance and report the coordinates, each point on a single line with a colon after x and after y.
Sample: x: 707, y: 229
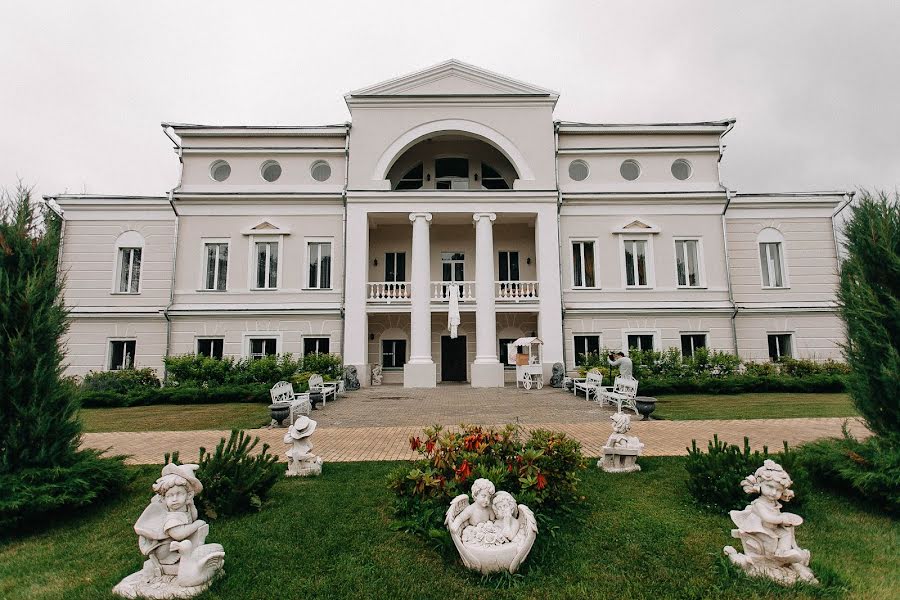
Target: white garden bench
x: 317, y: 384
x: 592, y: 384
x: 283, y: 391
x: 622, y: 393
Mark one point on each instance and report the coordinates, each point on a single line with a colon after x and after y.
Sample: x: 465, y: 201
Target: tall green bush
x: 41, y: 467
x: 203, y: 371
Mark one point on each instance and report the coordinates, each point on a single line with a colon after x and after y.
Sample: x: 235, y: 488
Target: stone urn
x: 280, y: 411
x: 645, y: 406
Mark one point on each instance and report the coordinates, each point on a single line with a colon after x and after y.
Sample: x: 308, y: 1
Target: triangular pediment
x: 453, y: 78
x: 266, y: 227
x: 637, y: 226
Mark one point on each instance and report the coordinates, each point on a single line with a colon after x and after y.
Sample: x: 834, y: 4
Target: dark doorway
x: 453, y: 358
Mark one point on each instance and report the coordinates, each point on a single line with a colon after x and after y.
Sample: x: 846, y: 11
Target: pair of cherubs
x: 492, y: 506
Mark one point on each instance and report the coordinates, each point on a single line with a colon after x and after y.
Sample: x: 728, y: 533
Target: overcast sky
x: 815, y: 86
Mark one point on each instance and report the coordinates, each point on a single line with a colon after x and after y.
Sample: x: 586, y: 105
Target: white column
x: 356, y: 321
x: 550, y: 325
x: 420, y: 370
x: 487, y: 370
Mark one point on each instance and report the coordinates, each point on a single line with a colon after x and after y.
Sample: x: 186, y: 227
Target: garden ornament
x: 351, y: 380
x: 556, y: 379
x: 301, y: 460
x: 621, y: 450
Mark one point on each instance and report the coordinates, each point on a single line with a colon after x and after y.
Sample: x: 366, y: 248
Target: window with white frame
x: 640, y: 341
x: 509, y: 265
x: 216, y: 254
x: 780, y: 346
x: 121, y: 354
x: 585, y: 345
x: 636, y: 263
x: 319, y: 264
x: 690, y: 342
x: 212, y: 347
x: 687, y: 263
x: 583, y: 264
x: 316, y: 345
x: 393, y: 354
x: 129, y: 270
x: 395, y: 266
x: 263, y: 346
x: 771, y: 258
x: 266, y: 254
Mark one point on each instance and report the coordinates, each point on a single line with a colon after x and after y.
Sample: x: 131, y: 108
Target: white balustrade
x: 388, y: 291
x: 516, y: 291
x: 440, y: 290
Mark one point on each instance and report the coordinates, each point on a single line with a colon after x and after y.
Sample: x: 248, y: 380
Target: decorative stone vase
x: 280, y: 411
x: 645, y: 406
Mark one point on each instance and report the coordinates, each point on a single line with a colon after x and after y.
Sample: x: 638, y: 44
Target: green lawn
x: 635, y: 536
x: 753, y: 406
x: 167, y: 417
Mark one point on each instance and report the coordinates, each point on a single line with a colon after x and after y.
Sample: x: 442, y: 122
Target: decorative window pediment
x: 266, y: 227
x: 635, y: 226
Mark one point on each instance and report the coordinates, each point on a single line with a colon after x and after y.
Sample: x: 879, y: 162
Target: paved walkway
x: 353, y: 428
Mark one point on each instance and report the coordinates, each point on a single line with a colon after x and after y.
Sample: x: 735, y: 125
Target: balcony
x: 400, y: 292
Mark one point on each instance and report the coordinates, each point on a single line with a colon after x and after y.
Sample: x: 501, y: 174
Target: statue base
x: 619, y: 460
x: 779, y: 572
x: 307, y: 470
x: 162, y: 587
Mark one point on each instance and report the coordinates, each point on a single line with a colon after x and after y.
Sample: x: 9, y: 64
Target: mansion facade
x: 352, y: 238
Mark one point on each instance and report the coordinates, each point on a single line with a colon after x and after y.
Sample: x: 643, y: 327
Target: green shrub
x: 120, y: 381
x: 741, y: 384
x: 234, y: 481
x: 869, y: 470
x: 714, y: 476
x: 329, y: 366
x: 204, y: 371
x: 176, y: 395
x: 541, y: 472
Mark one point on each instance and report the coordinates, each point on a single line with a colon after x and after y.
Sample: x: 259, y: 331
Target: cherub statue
x: 301, y: 460
x: 377, y: 375
x: 493, y: 533
x: 621, y: 450
x: 179, y: 563
x: 767, y: 534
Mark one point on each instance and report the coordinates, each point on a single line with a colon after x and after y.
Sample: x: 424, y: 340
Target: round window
x: 320, y: 170
x: 630, y: 169
x: 681, y: 169
x: 220, y: 170
x: 270, y: 170
x: 578, y: 170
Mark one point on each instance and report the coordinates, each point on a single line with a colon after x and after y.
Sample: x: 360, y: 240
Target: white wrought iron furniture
x: 283, y: 392
x: 529, y: 363
x: 317, y: 384
x: 590, y: 385
x: 622, y: 393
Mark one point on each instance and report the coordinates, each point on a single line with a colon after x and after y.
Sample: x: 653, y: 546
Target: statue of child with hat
x: 301, y: 460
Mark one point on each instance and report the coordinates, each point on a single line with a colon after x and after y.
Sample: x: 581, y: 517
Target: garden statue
x: 377, y: 375
x: 301, y: 460
x: 351, y: 380
x: 492, y: 534
x: 621, y: 450
x: 179, y: 563
x: 766, y: 533
x: 556, y: 379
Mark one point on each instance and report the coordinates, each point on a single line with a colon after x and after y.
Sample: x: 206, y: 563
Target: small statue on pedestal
x: 301, y: 460
x: 377, y: 375
x: 767, y: 534
x: 621, y: 450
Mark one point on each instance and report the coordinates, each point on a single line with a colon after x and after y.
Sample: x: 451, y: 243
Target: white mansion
x: 346, y: 238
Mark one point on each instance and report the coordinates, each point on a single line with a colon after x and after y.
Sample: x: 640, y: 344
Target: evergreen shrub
x: 204, y: 371
x: 120, y: 381
x: 253, y: 392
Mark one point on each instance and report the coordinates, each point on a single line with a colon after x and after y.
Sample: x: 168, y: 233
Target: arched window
x: 491, y: 179
x: 771, y: 258
x: 129, y: 252
x: 451, y: 173
x: 412, y: 179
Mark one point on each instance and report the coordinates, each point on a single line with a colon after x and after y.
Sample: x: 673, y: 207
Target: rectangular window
x: 216, y: 266
x: 320, y: 265
x: 583, y: 264
x: 316, y: 345
x: 260, y: 347
x: 211, y: 347
x: 640, y: 341
x: 690, y: 342
x: 266, y: 265
x: 121, y: 354
x: 509, y: 266
x: 636, y: 263
x: 395, y: 266
x: 504, y: 353
x: 780, y: 346
x: 129, y: 270
x: 687, y: 260
x: 393, y: 354
x: 585, y: 345
x: 771, y: 264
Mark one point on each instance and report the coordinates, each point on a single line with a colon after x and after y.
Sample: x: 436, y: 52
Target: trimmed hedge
x: 175, y: 395
x: 741, y: 384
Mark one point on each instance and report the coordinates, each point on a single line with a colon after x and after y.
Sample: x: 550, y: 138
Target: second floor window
x: 583, y: 264
x: 216, y: 266
x: 771, y: 264
x: 129, y: 270
x: 636, y: 263
x: 509, y: 265
x: 320, y: 265
x: 395, y: 266
x: 687, y: 261
x: 266, y: 265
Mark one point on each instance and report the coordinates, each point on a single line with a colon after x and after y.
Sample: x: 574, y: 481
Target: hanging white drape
x: 453, y: 310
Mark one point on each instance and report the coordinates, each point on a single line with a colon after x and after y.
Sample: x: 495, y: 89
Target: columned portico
x: 486, y: 370
x: 420, y: 371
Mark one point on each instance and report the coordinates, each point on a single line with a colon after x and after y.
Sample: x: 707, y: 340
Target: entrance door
x: 453, y: 358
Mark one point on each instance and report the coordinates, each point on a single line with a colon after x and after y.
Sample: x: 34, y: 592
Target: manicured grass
x: 634, y: 536
x: 176, y: 418
x: 753, y: 406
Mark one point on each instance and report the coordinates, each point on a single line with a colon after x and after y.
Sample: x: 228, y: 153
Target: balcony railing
x: 516, y: 291
x: 387, y: 292
x: 440, y: 290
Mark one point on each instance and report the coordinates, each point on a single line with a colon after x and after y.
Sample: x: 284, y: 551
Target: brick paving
x: 376, y: 423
